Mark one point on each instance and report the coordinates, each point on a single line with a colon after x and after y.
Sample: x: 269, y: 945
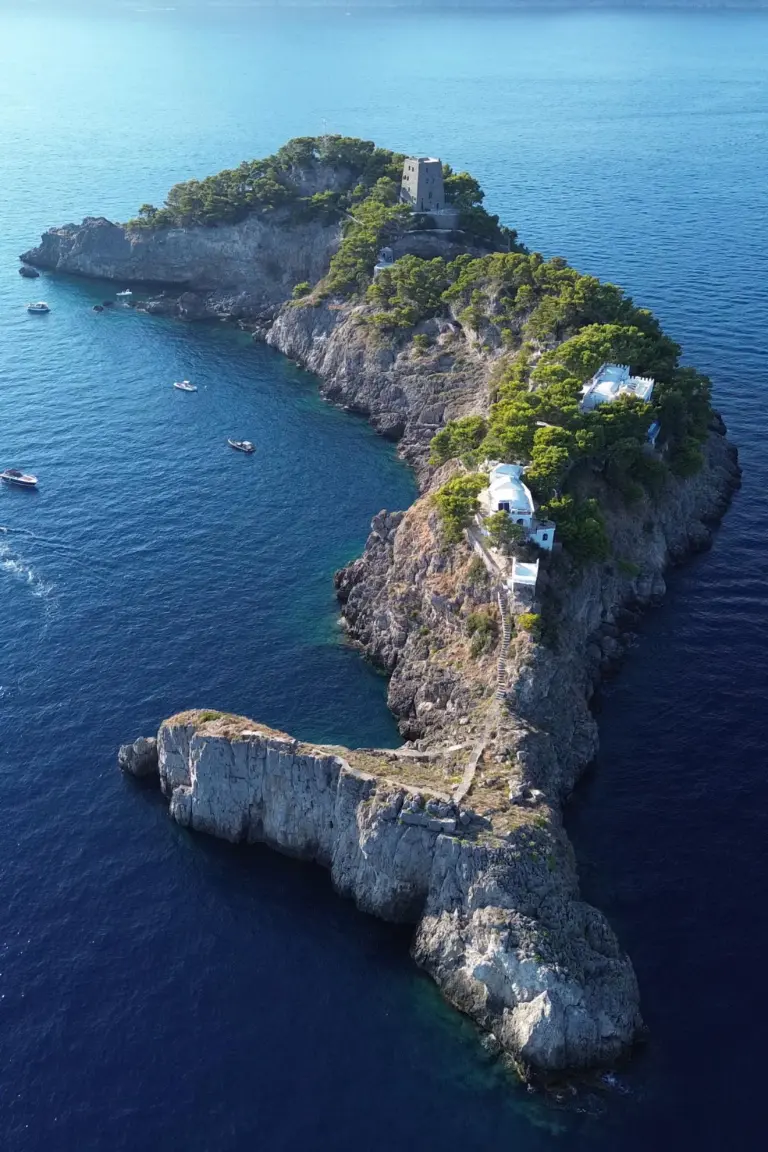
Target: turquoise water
x: 163, y: 991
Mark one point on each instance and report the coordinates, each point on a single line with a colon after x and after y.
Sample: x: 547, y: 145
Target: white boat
x: 242, y: 445
x: 40, y: 307
x: 126, y: 292
x: 185, y: 386
x: 17, y: 478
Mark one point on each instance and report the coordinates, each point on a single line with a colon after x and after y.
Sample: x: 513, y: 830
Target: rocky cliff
x: 234, y: 268
x: 499, y: 924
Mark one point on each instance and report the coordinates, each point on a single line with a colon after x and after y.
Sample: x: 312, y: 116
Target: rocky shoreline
x: 460, y: 831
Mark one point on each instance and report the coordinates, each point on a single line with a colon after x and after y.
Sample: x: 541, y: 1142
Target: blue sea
x: 160, y: 990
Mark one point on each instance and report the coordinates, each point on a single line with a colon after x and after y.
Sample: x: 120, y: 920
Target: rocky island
x: 564, y: 457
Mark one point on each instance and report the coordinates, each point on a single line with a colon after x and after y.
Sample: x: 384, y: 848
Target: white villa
x: 612, y: 381
x: 506, y: 492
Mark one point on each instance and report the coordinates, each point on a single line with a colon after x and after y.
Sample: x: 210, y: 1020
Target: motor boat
x: 126, y: 292
x: 39, y: 308
x: 18, y: 478
x: 185, y: 386
x: 242, y: 446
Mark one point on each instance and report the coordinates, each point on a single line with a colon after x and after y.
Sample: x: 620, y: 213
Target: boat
x: 40, y: 307
x: 241, y: 445
x: 126, y: 292
x: 185, y: 386
x: 18, y: 478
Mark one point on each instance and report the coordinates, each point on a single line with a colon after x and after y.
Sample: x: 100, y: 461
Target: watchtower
x: 422, y: 186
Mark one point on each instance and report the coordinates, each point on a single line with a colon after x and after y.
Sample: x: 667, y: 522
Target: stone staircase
x: 506, y: 637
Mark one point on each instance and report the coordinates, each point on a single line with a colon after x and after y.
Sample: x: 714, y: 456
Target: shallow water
x: 162, y: 990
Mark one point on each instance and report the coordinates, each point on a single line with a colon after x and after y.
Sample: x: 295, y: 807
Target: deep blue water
x: 159, y: 990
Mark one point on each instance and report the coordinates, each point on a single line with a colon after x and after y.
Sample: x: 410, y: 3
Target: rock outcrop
x: 139, y: 758
x: 499, y: 924
x: 237, y: 268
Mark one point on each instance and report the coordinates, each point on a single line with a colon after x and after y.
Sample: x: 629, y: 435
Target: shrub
x: 301, y: 289
x: 459, y: 438
x: 482, y: 628
x: 477, y: 572
x: 503, y: 531
x: 580, y: 528
x: 457, y: 503
x: 421, y: 342
x: 628, y: 568
x: 530, y: 622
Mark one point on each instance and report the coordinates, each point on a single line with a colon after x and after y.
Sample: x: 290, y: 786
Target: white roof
x: 506, y: 485
x: 614, y: 380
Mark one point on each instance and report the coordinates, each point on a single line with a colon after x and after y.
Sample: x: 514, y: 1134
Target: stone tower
x: 423, y: 184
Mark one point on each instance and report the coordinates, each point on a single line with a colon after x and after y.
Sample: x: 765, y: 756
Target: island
x: 564, y: 459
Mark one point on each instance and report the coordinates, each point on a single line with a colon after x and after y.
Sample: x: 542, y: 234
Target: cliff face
x: 407, y: 394
x: 499, y: 924
x: 409, y: 603
x: 243, y: 267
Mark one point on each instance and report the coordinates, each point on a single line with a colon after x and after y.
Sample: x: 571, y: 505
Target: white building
x: 612, y: 381
x: 524, y: 577
x: 385, y: 261
x: 506, y: 492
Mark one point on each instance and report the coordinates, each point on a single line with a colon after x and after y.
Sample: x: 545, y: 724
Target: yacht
x: 185, y: 386
x: 126, y: 292
x: 40, y: 307
x: 19, y: 479
x: 242, y: 445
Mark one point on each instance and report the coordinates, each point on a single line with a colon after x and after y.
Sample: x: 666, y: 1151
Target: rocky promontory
x: 499, y: 924
x: 467, y: 349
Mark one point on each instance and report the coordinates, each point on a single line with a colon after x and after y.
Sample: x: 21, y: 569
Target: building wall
x: 423, y: 185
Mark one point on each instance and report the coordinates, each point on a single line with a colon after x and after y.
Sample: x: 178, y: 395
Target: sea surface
x: 160, y: 990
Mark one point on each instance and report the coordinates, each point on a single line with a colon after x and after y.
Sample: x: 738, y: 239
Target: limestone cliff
x: 235, y: 268
x: 499, y: 923
x: 407, y: 394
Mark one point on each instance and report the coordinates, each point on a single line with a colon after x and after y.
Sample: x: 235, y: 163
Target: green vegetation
x: 503, y: 532
x: 477, y: 572
x: 529, y: 622
x: 460, y: 439
x: 301, y: 289
x: 375, y: 223
x: 482, y: 627
x: 278, y: 182
x: 628, y: 567
x: 204, y: 717
x: 457, y: 503
x: 536, y: 418
x: 580, y: 528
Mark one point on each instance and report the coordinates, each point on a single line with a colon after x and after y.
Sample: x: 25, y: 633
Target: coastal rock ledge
x: 499, y: 925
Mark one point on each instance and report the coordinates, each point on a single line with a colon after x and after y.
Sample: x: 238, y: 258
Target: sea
x: 162, y: 990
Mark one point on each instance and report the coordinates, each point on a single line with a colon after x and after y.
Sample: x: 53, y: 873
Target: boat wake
x: 18, y: 569
x: 69, y: 552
